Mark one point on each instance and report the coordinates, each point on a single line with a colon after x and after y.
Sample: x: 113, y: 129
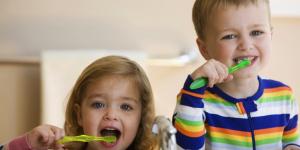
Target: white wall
x: 160, y: 26
x: 19, y: 99
x: 287, y: 8
x: 284, y: 63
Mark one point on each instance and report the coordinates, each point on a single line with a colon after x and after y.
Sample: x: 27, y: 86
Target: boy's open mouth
x: 239, y: 59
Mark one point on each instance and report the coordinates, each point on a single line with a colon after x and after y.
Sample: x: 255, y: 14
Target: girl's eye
x: 126, y: 107
x: 98, y: 105
x: 229, y: 37
x: 256, y: 33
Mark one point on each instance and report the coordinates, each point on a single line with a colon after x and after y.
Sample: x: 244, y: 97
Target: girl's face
x: 236, y: 33
x: 111, y: 106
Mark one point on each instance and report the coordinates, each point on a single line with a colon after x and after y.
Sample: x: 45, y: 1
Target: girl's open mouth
x: 110, y: 132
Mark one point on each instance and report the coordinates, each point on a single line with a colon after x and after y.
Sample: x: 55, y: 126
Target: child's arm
x: 291, y: 136
x: 189, y: 116
x: 41, y: 137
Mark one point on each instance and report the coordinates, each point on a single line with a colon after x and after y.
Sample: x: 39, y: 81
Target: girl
x: 112, y: 96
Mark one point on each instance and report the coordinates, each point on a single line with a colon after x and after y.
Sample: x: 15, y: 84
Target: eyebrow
x: 126, y: 98
x: 95, y: 96
x: 258, y: 25
x: 253, y: 25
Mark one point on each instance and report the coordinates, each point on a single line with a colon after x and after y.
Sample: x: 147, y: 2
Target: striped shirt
x: 208, y: 118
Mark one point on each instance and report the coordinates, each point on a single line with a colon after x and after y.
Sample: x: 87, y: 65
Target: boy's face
x: 237, y: 33
x: 111, y: 106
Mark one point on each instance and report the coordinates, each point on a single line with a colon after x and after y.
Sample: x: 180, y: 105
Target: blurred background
x: 44, y: 45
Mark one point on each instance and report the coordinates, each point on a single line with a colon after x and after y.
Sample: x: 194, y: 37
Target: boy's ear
x: 272, y: 31
x: 202, y: 48
x: 78, y: 114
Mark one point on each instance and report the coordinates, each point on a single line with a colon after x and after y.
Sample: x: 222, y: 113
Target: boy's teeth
x: 241, y: 60
x: 238, y: 60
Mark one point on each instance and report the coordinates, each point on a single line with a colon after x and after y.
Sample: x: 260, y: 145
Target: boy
x: 239, y: 111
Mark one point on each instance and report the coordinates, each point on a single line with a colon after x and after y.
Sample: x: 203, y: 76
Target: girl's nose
x: 110, y: 114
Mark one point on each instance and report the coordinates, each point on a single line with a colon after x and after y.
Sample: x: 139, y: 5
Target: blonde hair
x: 115, y: 65
x: 203, y: 9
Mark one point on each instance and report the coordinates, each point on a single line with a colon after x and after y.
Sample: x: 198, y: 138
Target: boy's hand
x: 292, y: 147
x: 45, y: 137
x: 214, y: 71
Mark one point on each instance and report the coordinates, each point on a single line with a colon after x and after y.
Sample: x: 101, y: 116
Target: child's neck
x: 240, y: 88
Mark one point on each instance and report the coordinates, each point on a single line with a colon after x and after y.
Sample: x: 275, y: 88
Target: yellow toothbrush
x: 87, y: 138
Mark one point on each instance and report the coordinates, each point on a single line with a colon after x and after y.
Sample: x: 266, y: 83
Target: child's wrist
x: 194, y: 76
x: 19, y: 143
x: 28, y: 141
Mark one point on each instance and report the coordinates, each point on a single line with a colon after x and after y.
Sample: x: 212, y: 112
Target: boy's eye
x: 126, y: 107
x: 256, y: 33
x: 228, y: 37
x: 98, y: 105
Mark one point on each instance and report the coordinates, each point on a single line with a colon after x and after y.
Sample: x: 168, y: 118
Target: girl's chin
x: 108, y: 145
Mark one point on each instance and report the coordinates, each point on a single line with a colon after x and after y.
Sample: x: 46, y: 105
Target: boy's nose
x: 246, y: 43
x: 110, y: 114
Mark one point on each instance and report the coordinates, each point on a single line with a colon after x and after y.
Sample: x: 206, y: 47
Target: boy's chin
x: 245, y: 74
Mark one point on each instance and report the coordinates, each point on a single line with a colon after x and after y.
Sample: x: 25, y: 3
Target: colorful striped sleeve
x: 188, y: 118
x: 291, y: 132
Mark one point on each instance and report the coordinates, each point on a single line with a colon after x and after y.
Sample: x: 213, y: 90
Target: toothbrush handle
x: 198, y: 83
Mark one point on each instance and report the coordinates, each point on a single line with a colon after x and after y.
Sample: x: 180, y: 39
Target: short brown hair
x: 115, y: 65
x: 203, y: 9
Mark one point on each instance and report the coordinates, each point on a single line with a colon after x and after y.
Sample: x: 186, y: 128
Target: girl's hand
x: 214, y: 71
x: 45, y: 137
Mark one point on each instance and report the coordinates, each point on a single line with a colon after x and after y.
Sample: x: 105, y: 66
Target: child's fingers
x: 217, y: 73
x: 210, y: 72
x: 58, y: 133
x: 57, y: 146
x: 51, y: 137
x: 228, y: 78
x: 222, y: 71
x: 212, y: 77
x: 43, y: 133
x: 292, y: 147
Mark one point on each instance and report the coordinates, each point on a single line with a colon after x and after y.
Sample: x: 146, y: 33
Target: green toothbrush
x: 87, y: 138
x: 200, y: 82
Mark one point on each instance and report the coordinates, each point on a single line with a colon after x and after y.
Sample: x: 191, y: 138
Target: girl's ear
x: 78, y: 114
x: 202, y: 48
